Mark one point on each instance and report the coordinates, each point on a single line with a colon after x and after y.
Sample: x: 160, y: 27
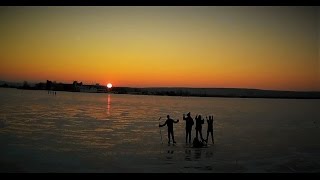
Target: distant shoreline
x: 165, y: 91
x: 244, y: 97
x: 205, y: 92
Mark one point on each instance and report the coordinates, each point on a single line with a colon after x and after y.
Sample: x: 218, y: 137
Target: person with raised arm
x: 210, y: 128
x: 169, y: 122
x: 189, y: 124
x: 199, y: 122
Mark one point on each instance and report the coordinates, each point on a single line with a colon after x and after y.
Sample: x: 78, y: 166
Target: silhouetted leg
x: 212, y: 137
x: 168, y: 136
x: 172, y: 137
x: 207, y: 136
x: 186, y: 136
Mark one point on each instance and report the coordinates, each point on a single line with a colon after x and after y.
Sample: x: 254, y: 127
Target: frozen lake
x: 83, y: 132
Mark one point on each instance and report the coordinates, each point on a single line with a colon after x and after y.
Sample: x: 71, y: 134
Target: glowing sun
x: 109, y: 85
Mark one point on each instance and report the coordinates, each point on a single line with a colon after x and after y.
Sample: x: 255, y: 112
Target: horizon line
x: 178, y: 87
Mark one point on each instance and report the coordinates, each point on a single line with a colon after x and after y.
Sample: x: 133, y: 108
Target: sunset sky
x: 242, y: 47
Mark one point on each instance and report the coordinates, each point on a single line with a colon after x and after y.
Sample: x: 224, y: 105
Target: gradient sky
x: 244, y: 47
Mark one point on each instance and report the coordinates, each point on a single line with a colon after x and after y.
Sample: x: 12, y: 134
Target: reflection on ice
x: 108, y: 104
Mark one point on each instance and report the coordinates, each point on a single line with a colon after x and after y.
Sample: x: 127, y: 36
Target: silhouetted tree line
x: 198, y: 92
x: 52, y: 85
x: 5, y: 85
x: 217, y: 92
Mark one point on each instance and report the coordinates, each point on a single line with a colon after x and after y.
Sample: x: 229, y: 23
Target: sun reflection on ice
x: 108, y: 104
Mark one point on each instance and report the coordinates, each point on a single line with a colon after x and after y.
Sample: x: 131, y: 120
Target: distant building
x: 101, y: 89
x: 48, y: 85
x: 76, y: 86
x: 41, y: 86
x: 93, y: 88
x: 88, y: 88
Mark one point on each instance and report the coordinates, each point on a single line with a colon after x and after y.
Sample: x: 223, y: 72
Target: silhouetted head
x: 168, y: 116
x: 188, y: 114
x: 199, y: 116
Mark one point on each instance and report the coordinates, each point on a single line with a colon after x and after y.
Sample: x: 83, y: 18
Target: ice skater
x: 189, y: 124
x: 169, y: 122
x: 199, y: 122
x: 210, y: 128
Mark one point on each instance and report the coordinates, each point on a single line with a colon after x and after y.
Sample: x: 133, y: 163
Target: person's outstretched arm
x: 163, y: 124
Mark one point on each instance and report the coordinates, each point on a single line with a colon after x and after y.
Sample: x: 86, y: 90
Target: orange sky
x: 245, y: 47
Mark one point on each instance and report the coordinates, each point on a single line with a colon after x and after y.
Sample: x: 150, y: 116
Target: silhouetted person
x: 210, y: 128
x: 169, y: 122
x: 199, y: 123
x: 189, y: 124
